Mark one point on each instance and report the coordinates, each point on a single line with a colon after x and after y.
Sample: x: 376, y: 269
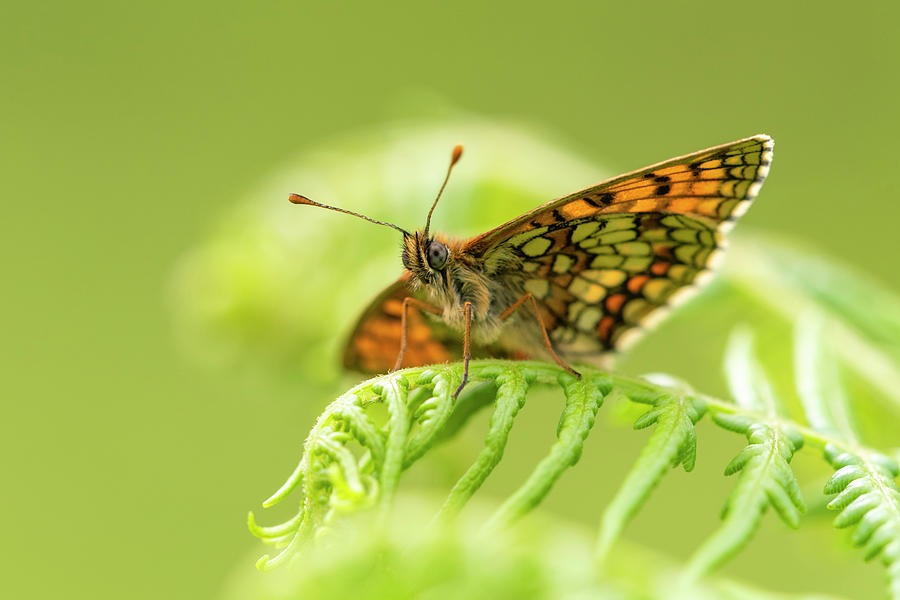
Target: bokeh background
x: 130, y: 132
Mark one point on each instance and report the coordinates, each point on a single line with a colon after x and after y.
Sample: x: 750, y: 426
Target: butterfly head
x: 426, y: 257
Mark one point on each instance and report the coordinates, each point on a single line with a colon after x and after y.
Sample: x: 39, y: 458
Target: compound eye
x: 437, y: 255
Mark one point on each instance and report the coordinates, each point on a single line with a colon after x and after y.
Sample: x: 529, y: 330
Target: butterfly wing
x: 606, y: 261
x: 374, y: 345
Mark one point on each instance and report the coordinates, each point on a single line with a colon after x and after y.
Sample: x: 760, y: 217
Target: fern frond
x: 672, y: 443
x: 863, y: 317
x: 512, y: 388
x: 766, y: 478
x: 818, y: 380
x: 583, y: 399
x: 333, y: 480
x: 864, y: 480
x: 868, y: 499
x: 350, y: 464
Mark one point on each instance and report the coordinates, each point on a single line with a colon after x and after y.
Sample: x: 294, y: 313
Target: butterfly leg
x: 537, y: 315
x: 409, y: 300
x: 467, y: 348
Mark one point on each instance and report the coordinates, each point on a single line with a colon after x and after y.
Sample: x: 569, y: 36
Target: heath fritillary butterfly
x: 573, y: 280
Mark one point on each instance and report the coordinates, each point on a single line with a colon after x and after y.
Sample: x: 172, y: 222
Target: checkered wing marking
x: 604, y: 262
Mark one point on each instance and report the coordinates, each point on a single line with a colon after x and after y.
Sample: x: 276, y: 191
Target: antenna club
x: 457, y: 154
x: 298, y: 199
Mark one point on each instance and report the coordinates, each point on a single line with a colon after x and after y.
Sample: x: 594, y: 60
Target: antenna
x: 454, y: 158
x: 298, y: 199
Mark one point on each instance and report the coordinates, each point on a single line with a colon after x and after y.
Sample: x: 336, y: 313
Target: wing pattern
x: 606, y: 262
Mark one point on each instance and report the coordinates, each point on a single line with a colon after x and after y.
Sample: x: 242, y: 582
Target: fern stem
x: 635, y: 388
x: 815, y: 439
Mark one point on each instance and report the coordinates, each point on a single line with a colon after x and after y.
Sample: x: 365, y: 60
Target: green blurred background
x: 130, y: 128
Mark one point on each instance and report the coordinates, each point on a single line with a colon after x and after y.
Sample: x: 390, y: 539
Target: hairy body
x: 465, y: 278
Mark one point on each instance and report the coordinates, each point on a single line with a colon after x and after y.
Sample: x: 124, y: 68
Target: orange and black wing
x: 375, y: 342
x: 605, y: 262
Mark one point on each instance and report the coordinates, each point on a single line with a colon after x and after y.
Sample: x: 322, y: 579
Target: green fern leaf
x: 868, y: 499
x: 673, y: 442
x: 334, y: 480
x: 583, y: 399
x: 766, y: 478
x: 512, y: 389
x: 864, y: 480
x: 350, y: 464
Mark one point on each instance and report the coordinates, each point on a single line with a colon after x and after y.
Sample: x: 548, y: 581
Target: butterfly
x: 576, y: 279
